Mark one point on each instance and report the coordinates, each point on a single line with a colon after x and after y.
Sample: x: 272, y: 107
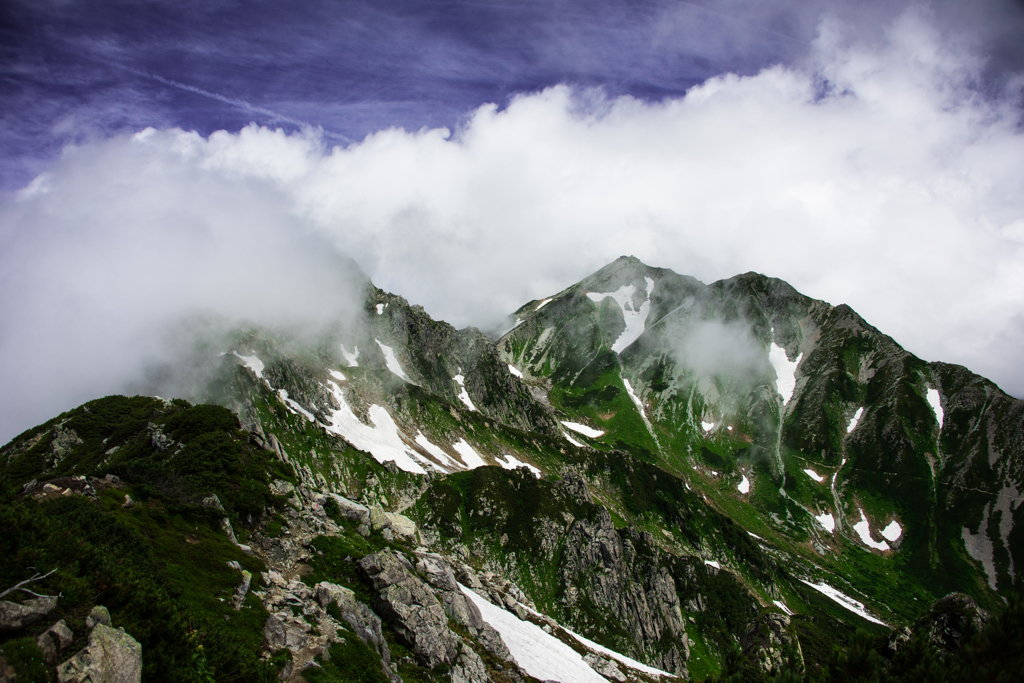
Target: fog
x: 883, y: 168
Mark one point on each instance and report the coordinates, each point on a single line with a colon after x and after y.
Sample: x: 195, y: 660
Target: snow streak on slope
x: 635, y: 399
x: 436, y: 451
x: 382, y: 441
x: 540, y: 654
x: 469, y: 456
x: 573, y: 441
x: 628, y: 661
x: 936, y: 403
x: 464, y: 395
x: 782, y: 606
x: 510, y: 462
x: 252, y: 362
x: 514, y: 371
x: 844, y: 600
x: 392, y: 362
x: 640, y: 406
x: 583, y: 429
x: 785, y: 371
x: 336, y: 375
x: 294, y: 406
x: 635, y: 319
x: 856, y: 418
x: 827, y: 521
x: 350, y: 357
x: 541, y: 304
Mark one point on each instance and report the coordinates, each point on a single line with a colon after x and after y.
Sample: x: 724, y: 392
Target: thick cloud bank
x: 877, y: 177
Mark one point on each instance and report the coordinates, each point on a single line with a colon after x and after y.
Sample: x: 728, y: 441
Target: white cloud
x: 876, y: 177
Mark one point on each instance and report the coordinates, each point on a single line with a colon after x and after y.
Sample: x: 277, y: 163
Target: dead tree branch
x: 21, y: 586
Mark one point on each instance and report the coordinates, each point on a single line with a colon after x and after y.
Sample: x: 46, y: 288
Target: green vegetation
x: 161, y: 566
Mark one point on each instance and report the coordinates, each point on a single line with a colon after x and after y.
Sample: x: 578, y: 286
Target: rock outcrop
x: 15, y: 616
x: 112, y: 656
x: 360, y: 618
x: 54, y: 640
x: 770, y: 642
x: 949, y: 618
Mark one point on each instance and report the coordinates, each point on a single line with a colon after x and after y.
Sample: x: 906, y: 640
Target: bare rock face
x: 360, y: 618
x: 469, y: 668
x: 769, y: 641
x: 14, y: 616
x: 602, y: 565
x: 112, y: 656
x: 606, y: 667
x: 285, y: 633
x: 54, y: 640
x: 411, y: 607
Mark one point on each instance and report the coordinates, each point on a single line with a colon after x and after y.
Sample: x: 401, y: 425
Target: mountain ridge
x: 625, y: 461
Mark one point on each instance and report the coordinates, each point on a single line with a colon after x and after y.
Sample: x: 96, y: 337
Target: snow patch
x: 785, y: 371
x: 814, y: 475
x: 382, y: 440
x: 350, y: 358
x: 863, y: 529
x: 893, y: 531
x: 251, y: 362
x: 464, y: 395
x: 583, y: 429
x: 856, y: 418
x: 392, y: 362
x: 827, y: 521
x: 510, y: 462
x: 336, y: 375
x: 514, y: 371
x: 380, y: 309
x: 437, y: 452
x: 744, y: 485
x: 540, y: 654
x: 936, y: 403
x: 712, y: 563
x: 469, y: 456
x: 708, y: 426
x: 635, y: 319
x: 846, y: 601
x: 541, y: 304
x: 782, y: 606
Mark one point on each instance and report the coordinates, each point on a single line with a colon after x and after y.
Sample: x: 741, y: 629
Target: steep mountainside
x: 646, y: 476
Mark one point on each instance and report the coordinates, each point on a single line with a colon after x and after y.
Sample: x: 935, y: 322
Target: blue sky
x: 471, y: 156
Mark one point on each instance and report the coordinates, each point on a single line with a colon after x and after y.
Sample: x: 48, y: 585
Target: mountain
x: 646, y: 476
